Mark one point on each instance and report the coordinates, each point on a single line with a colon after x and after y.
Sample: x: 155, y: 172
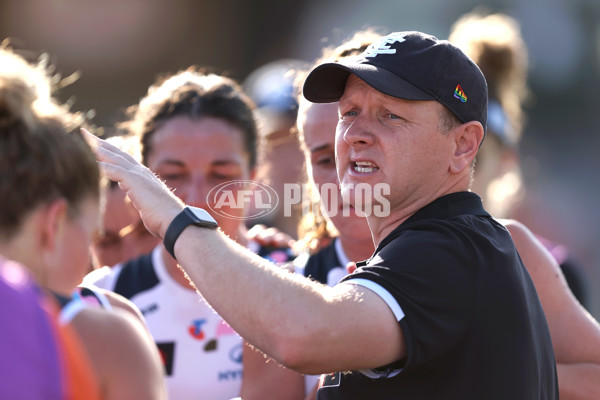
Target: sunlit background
x: 120, y: 46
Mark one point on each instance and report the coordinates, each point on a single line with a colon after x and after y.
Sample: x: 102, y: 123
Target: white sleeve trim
x: 381, y: 292
x: 398, y: 313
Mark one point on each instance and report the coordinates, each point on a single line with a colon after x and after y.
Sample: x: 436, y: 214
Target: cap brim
x: 327, y: 82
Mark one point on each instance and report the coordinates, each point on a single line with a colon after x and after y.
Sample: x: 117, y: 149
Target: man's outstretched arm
x: 304, y: 325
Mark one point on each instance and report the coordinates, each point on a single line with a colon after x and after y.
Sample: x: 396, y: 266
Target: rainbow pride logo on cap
x: 460, y: 94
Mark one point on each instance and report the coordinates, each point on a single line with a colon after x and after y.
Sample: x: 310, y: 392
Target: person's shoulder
x: 117, y: 326
x: 115, y: 331
x: 421, y: 236
x: 481, y: 230
x: 418, y: 250
x: 120, y: 348
x: 118, y: 302
x: 524, y: 239
x: 536, y: 258
x: 517, y: 229
x: 430, y: 245
x: 128, y: 278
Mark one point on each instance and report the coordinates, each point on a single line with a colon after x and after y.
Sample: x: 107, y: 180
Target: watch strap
x: 185, y: 218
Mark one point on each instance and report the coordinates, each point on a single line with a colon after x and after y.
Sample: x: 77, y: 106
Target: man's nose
x: 360, y: 132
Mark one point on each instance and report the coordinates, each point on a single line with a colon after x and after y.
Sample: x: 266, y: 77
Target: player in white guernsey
x: 197, y: 132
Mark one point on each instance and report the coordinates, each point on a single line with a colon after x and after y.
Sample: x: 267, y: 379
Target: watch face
x: 201, y: 215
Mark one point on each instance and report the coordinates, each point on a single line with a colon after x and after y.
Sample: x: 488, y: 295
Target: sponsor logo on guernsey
x: 195, y: 329
x: 229, y: 375
x: 223, y: 329
x: 235, y: 355
x: 149, y: 309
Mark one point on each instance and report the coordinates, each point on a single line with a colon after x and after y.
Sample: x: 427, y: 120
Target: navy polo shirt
x: 473, y: 324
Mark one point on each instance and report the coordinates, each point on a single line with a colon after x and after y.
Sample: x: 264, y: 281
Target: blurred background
x: 117, y: 48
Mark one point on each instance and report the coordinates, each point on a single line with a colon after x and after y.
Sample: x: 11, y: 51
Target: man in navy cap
x: 444, y: 308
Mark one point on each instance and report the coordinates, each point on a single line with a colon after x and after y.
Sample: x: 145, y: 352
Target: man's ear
x: 467, y: 137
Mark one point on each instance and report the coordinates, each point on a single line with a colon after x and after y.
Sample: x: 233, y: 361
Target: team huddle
x: 400, y: 280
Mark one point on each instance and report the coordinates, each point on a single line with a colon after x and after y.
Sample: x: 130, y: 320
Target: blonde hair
x: 495, y: 44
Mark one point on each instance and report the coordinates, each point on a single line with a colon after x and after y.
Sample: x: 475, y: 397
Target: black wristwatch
x: 188, y: 216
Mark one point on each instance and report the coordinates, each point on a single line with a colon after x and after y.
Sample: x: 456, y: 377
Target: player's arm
x: 124, y: 356
x: 575, y: 333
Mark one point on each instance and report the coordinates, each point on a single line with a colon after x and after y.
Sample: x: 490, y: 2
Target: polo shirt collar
x: 447, y: 206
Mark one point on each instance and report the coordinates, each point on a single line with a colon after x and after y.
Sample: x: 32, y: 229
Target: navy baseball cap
x: 412, y: 66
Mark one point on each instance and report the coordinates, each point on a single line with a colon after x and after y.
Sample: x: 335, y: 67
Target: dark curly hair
x: 194, y: 94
